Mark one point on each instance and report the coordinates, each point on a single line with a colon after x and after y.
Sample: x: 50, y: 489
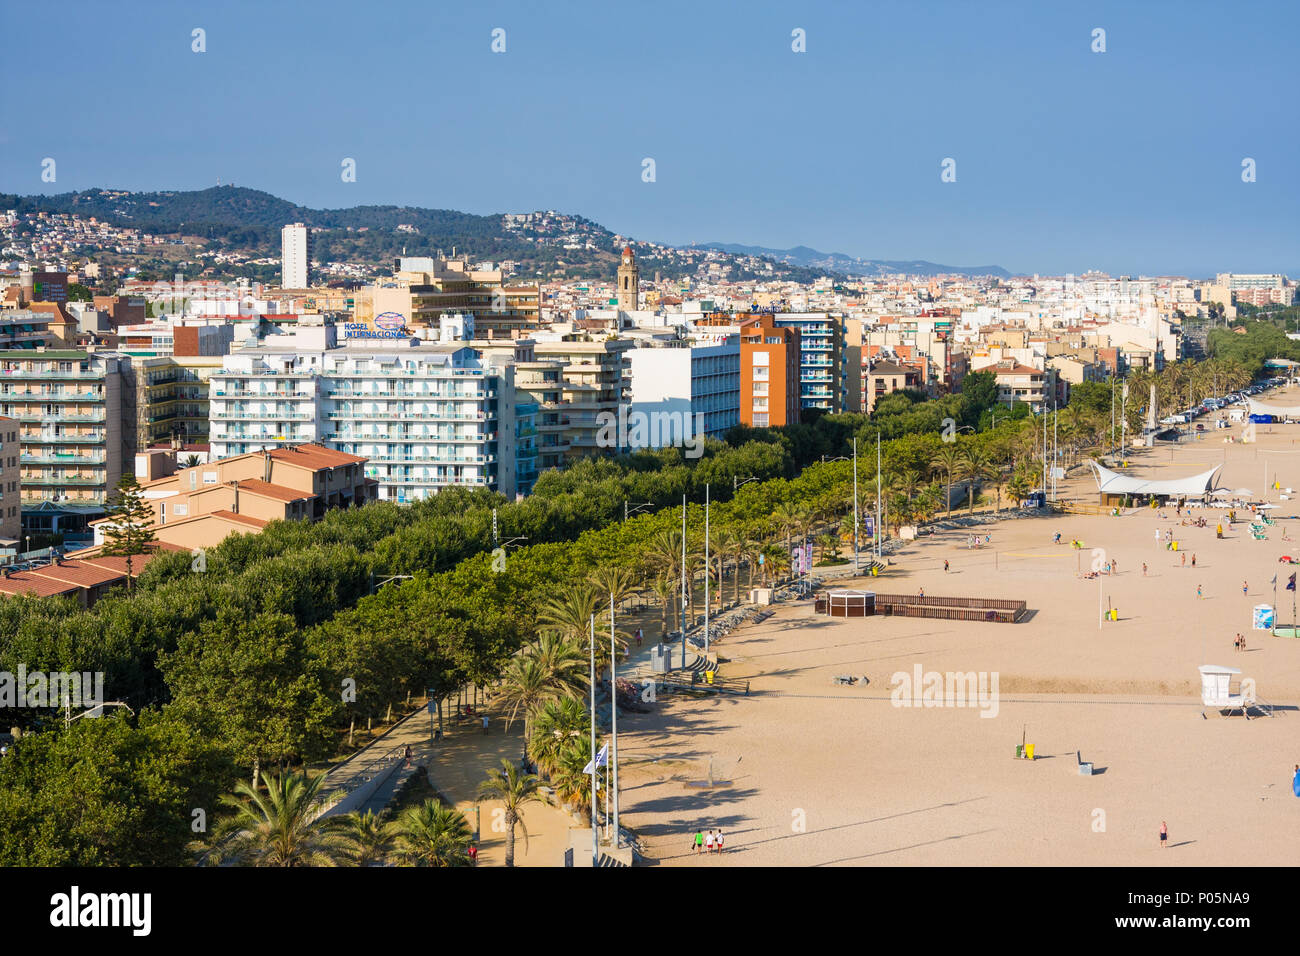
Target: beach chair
x: 1258, y: 535
x: 1268, y: 520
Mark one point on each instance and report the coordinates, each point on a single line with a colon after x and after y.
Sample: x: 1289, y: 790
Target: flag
x: 602, y: 758
x: 1290, y: 584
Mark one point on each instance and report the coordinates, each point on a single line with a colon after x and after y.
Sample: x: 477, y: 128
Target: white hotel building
x: 427, y: 415
x: 696, y: 380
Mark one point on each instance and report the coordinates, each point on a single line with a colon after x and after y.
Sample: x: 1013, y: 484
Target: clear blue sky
x: 1128, y: 160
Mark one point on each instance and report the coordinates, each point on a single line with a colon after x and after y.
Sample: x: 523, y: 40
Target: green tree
x: 514, y: 789
x: 431, y: 834
x: 128, y: 523
x: 281, y: 827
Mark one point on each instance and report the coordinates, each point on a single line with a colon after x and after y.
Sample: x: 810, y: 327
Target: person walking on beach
x: 1184, y: 564
x: 717, y: 841
x: 1144, y: 569
x: 1164, y: 834
x: 708, y: 842
x: 698, y: 843
x: 407, y: 755
x: 485, y: 724
x: 1245, y: 588
x: 945, y: 565
x: 921, y: 593
x: 1198, y: 592
x: 638, y: 637
x: 1193, y: 559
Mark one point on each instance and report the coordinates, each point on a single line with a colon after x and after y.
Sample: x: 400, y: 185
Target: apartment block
x: 295, y: 256
x: 72, y: 436
x: 424, y: 415
x: 298, y: 483
x: 881, y: 377
x: 688, y: 382
x: 11, y: 511
x: 424, y: 289
x: 770, y: 364
x: 821, y: 359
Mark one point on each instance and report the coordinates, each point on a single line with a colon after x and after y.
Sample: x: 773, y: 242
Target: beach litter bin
x: 1085, y: 770
x: 1020, y: 751
x: 708, y: 677
x: 1029, y: 751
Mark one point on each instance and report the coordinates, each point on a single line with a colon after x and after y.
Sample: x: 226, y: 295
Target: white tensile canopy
x: 1113, y: 483
x: 1281, y: 411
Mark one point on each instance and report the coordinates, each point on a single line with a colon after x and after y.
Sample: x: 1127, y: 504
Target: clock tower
x: 629, y: 282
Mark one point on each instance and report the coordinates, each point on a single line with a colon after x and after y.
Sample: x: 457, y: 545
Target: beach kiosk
x: 849, y: 603
x: 1216, y: 690
x: 1262, y: 618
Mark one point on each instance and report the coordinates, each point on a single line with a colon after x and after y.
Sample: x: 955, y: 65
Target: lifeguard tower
x: 1216, y: 690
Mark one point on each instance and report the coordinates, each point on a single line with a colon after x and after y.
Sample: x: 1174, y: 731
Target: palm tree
x: 948, y: 460
x: 557, y: 722
x: 525, y: 685
x: 431, y: 834
x: 571, y: 783
x: 514, y: 789
x: 570, y: 616
x: 974, y: 468
x: 365, y: 838
x: 776, y: 562
x: 617, y: 582
x: 666, y: 587
x: 562, y: 660
x: 281, y: 827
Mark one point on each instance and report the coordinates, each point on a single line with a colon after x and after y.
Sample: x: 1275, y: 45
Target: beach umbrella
x: 1243, y: 491
x: 1262, y: 507
x: 1222, y: 493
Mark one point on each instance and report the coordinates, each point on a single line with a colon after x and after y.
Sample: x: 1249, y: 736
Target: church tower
x: 629, y: 282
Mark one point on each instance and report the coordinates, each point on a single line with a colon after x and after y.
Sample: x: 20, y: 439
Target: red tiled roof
x: 314, y: 456
x: 239, y: 519
x: 25, y: 583
x: 256, y: 486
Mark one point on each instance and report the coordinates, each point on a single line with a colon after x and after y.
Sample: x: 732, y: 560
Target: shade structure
x: 849, y: 603
x: 1281, y: 411
x: 1112, y: 483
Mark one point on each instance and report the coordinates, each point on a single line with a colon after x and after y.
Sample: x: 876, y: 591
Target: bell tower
x: 629, y: 282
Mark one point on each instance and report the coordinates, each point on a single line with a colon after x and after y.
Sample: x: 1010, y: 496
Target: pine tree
x: 128, y: 525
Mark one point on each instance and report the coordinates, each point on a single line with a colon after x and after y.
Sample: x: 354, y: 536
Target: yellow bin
x: 1029, y: 751
x: 708, y: 677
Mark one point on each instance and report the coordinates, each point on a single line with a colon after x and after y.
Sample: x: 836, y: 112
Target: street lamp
x: 737, y: 482
x: 635, y: 508
x: 839, y: 458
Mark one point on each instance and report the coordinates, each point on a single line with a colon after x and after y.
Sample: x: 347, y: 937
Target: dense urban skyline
x: 1128, y: 161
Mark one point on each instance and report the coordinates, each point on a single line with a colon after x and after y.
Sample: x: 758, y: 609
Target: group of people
x: 710, y: 842
x: 1240, y: 643
x: 978, y: 541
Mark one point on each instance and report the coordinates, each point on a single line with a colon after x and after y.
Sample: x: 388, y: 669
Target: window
x: 761, y: 358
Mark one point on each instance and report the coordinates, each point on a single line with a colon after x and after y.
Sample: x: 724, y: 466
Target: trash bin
x: 708, y: 677
x: 1029, y: 751
x: 1020, y: 751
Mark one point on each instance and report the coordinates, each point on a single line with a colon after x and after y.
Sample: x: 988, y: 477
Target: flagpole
x: 613, y: 681
x: 595, y: 837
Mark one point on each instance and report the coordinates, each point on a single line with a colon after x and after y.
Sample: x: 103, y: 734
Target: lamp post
x: 635, y: 508
x: 856, y: 564
x: 737, y: 482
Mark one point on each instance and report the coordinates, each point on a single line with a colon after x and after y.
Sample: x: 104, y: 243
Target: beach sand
x: 808, y: 772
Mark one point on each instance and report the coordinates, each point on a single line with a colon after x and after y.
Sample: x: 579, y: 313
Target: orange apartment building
x: 198, y: 507
x: 769, y: 366
x: 769, y: 373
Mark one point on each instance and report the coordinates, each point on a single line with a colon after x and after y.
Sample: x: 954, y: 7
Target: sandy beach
x: 811, y: 773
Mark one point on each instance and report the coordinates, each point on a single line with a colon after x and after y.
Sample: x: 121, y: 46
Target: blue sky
x: 1127, y: 161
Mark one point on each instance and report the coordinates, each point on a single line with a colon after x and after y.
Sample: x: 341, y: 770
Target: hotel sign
x: 388, y: 325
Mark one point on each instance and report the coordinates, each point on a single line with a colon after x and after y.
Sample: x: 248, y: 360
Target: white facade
x: 695, y: 381
x: 295, y: 256
x: 427, y: 416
